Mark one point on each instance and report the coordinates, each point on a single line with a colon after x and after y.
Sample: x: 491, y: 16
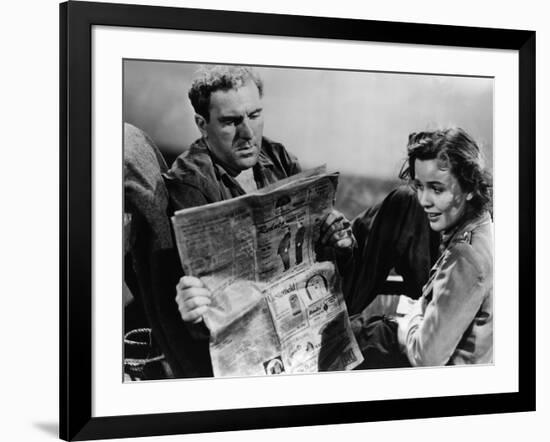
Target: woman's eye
x: 437, y: 190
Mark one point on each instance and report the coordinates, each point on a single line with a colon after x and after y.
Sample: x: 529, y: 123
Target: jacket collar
x: 263, y: 159
x: 463, y: 231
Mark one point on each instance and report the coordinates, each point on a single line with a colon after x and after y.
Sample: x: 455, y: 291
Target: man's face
x: 234, y: 131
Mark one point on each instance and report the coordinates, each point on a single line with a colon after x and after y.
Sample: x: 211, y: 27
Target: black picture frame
x: 76, y: 21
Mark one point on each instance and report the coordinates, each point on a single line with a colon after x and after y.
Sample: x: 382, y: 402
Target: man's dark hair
x: 457, y: 151
x: 212, y: 78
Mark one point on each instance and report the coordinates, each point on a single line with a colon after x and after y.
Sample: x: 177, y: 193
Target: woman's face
x: 440, y: 194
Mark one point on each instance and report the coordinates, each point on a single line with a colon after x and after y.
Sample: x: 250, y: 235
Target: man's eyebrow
x: 238, y: 117
x: 230, y: 118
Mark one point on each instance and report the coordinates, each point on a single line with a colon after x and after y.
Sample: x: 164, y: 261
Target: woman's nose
x: 424, y: 198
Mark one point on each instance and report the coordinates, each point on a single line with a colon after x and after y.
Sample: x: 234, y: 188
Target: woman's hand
x: 336, y: 232
x: 193, y: 299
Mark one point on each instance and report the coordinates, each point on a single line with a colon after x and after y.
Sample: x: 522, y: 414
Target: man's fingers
x: 345, y: 243
x: 343, y: 239
x: 195, y: 315
x: 189, y: 281
x: 192, y: 292
x: 335, y: 228
x: 198, y: 320
x: 335, y: 231
x: 193, y: 298
x: 194, y: 302
x: 191, y: 310
x: 331, y: 218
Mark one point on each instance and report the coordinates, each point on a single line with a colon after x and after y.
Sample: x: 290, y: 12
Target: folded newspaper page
x: 274, y: 309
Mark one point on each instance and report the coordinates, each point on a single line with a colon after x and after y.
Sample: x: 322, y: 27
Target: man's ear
x: 201, y: 123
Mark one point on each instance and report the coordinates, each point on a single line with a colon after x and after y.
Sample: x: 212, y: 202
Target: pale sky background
x: 356, y: 122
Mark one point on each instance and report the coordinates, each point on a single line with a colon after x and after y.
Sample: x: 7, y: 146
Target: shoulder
x: 193, y: 168
x: 474, y: 249
x: 273, y: 149
x: 194, y: 164
x: 271, y: 146
x: 276, y: 153
x: 191, y: 180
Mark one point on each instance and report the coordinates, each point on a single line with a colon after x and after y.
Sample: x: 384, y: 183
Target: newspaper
x: 274, y: 308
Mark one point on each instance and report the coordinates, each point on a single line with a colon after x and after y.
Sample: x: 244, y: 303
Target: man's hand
x: 336, y: 232
x: 193, y: 299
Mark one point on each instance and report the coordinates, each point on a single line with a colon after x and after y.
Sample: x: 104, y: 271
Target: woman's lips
x: 433, y: 216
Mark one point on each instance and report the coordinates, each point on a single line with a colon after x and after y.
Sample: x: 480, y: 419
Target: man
x: 231, y: 158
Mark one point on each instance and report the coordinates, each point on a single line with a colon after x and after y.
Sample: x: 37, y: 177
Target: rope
x: 138, y: 362
x: 138, y: 331
x: 137, y: 365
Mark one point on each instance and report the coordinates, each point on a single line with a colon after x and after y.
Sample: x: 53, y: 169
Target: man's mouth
x: 246, y: 148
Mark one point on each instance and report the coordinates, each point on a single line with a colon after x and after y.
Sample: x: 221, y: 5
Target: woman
x: 452, y: 322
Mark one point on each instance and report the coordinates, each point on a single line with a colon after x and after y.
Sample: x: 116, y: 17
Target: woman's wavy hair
x: 457, y: 151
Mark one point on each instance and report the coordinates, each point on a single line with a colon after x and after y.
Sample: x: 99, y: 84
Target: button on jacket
x: 452, y: 323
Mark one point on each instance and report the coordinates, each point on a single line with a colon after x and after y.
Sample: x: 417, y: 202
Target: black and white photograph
x: 244, y: 183
x: 273, y: 221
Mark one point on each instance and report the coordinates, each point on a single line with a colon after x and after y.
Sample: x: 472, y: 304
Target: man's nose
x: 245, y: 131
